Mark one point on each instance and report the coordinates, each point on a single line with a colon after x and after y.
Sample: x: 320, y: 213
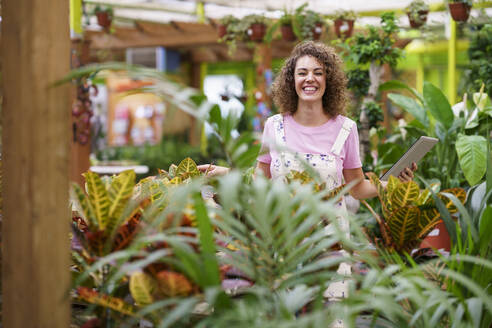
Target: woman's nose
x: 309, y: 76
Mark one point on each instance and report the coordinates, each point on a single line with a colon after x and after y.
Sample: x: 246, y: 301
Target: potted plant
x: 417, y: 13
x: 104, y: 16
x: 287, y: 27
x: 226, y: 27
x: 344, y: 23
x: 460, y: 9
x: 312, y: 25
x: 255, y: 26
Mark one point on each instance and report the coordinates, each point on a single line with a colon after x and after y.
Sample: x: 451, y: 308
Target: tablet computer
x: 413, y: 154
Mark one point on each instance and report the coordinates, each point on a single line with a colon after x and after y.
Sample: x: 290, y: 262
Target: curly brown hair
x: 335, y: 96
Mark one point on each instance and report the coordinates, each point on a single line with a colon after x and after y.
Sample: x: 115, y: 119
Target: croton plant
x: 408, y: 213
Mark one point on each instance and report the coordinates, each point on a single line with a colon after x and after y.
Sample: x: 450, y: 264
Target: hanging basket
x: 287, y: 33
x: 221, y: 30
x: 460, y: 11
x: 104, y: 19
x: 256, y: 32
x: 416, y: 22
x: 344, y: 28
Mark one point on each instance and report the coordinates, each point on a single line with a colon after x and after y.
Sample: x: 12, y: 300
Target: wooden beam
x: 36, y: 116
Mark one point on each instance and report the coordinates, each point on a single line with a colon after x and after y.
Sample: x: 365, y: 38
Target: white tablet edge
x: 413, y: 154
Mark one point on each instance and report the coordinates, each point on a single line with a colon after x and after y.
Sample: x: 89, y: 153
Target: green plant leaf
x: 472, y: 151
x: 411, y: 106
x: 98, y: 197
x: 438, y: 105
x: 398, y: 85
x: 207, y: 243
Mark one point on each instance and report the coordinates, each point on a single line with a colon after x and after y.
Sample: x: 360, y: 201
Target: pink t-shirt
x: 312, y: 140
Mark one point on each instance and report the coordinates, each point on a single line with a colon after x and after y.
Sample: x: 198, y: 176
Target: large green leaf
x: 472, y: 155
x: 398, y: 85
x: 119, y: 193
x: 438, y: 105
x: 98, y: 197
x: 403, y: 226
x: 411, y: 106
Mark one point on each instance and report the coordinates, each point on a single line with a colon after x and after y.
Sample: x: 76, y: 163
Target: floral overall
x: 326, y: 166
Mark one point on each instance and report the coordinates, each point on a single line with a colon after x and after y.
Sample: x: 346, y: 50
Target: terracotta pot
x: 459, y: 11
x: 104, y: 19
x: 418, y: 22
x: 256, y: 32
x: 221, y: 30
x: 287, y: 33
x: 344, y: 28
x: 317, y: 30
x: 438, y: 238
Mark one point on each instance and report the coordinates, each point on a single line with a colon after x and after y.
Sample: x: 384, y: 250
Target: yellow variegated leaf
x: 426, y: 195
x: 114, y: 303
x: 83, y: 206
x: 120, y: 191
x: 173, y: 284
x: 460, y: 193
x: 163, y: 173
x: 172, y: 171
x: 142, y: 288
x: 98, y: 197
x: 403, y: 226
x: 405, y: 193
x: 187, y: 169
x: 393, y: 182
x: 303, y: 176
x: 175, y: 181
x: 428, y: 219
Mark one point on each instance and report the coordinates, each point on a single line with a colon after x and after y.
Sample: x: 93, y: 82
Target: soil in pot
x: 256, y: 32
x: 344, y: 28
x: 459, y: 11
x: 416, y: 22
x: 287, y: 33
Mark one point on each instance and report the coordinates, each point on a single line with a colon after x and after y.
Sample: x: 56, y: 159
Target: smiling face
x: 310, y: 79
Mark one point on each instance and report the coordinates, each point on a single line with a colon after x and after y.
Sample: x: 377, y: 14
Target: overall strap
x: 342, y: 136
x: 278, y: 125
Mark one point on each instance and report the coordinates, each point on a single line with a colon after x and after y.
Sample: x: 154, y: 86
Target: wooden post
x: 36, y: 116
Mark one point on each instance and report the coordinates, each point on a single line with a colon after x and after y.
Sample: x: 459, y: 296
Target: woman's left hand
x: 407, y: 174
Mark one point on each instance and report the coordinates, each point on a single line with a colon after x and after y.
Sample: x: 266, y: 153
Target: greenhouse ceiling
x: 166, y: 11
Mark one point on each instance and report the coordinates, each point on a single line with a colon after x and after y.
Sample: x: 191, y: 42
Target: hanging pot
x: 287, y: 33
x: 256, y: 32
x: 416, y: 22
x: 317, y: 30
x: 221, y: 30
x: 460, y: 11
x: 344, y: 28
x: 104, y: 19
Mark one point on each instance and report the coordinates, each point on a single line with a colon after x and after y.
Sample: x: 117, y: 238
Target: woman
x: 311, y: 93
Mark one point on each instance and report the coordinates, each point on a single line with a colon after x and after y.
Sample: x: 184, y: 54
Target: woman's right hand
x: 213, y: 170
